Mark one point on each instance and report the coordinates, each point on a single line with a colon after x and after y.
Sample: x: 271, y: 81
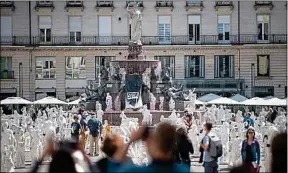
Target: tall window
x: 263, y: 91
x: 45, y: 68
x: 105, y: 29
x: 164, y: 29
x: 194, y: 28
x: 6, y: 29
x: 223, y: 28
x: 45, y: 28
x: 75, y: 28
x: 194, y: 66
x: 224, y: 66
x: 167, y: 61
x: 263, y: 27
x: 75, y: 68
x: 6, y: 68
x: 263, y: 64
x: 101, y: 61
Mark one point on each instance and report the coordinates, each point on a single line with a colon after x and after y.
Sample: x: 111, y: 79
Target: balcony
x: 140, y: 3
x: 44, y: 4
x: 194, y: 5
x: 74, y: 4
x: 104, y: 4
x: 224, y: 4
x: 7, y: 4
x: 7, y: 74
x: 164, y: 4
x: 263, y: 4
x: 146, y: 40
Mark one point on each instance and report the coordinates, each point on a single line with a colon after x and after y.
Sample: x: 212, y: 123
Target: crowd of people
x: 168, y: 147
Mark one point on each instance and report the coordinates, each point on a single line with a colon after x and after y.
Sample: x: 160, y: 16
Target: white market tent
x: 224, y: 101
x: 254, y: 102
x: 238, y: 98
x: 49, y: 101
x: 198, y: 102
x: 208, y: 97
x: 15, y: 101
x: 75, y: 102
x: 276, y: 102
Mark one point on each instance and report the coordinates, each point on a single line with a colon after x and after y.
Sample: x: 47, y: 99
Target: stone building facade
x: 219, y: 47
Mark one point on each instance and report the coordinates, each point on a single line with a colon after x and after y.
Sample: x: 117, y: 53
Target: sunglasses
x: 250, y: 132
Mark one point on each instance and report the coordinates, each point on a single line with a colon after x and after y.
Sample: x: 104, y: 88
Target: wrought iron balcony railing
x: 164, y: 4
x: 140, y: 3
x: 74, y: 4
x: 146, y: 40
x: 5, y: 74
x: 7, y: 4
x: 100, y: 4
x: 259, y: 4
x: 44, y: 4
x: 223, y: 3
x: 194, y: 4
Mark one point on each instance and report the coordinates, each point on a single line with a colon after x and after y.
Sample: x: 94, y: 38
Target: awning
x: 8, y: 90
x: 45, y: 90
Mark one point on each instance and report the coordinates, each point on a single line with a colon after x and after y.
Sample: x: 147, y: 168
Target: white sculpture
x: 171, y: 104
x: 272, y: 132
x: 7, y: 164
x: 161, y: 105
x: 100, y: 114
x: 20, y: 154
x: 109, y: 102
x: 147, y: 116
x: 193, y: 135
x: 152, y: 101
x: 123, y: 75
x: 224, y: 135
x: 117, y: 103
x: 146, y: 77
x: 135, y: 21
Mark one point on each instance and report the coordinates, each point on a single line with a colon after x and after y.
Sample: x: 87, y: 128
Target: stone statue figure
x: 117, y: 73
x: 147, y: 117
x: 171, y: 104
x: 109, y: 102
x: 161, y: 105
x: 100, y: 113
x: 104, y: 74
x: 20, y: 154
x: 123, y: 74
x: 135, y: 21
x: 117, y: 103
x: 165, y: 74
x: 152, y: 102
x: 153, y: 76
x: 146, y: 77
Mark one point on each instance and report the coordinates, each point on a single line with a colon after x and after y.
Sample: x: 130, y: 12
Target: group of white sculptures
x: 24, y: 140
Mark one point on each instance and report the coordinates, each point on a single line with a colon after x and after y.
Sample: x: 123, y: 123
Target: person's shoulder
x: 181, y: 168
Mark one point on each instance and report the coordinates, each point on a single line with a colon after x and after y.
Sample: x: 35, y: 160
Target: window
x: 263, y: 91
x: 6, y: 29
x: 223, y: 28
x: 75, y: 28
x: 105, y: 29
x: 101, y: 61
x: 6, y: 68
x: 263, y: 27
x: 263, y: 64
x: 45, y: 28
x: 224, y: 66
x: 164, y: 29
x: 45, y: 68
x: 194, y: 28
x: 75, y: 68
x: 194, y: 66
x: 167, y: 61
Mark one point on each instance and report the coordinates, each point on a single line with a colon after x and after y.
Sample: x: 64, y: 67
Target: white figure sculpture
x: 161, y: 105
x: 171, y: 104
x: 100, y: 114
x: 152, y: 101
x: 20, y: 154
x: 1, y: 111
x: 272, y: 132
x: 224, y: 135
x: 220, y: 114
x: 236, y: 148
x: 147, y: 117
x: 135, y: 21
x: 117, y: 103
x: 193, y: 135
x: 24, y: 111
x: 263, y: 112
x: 123, y: 75
x: 109, y: 102
x: 146, y: 77
x: 7, y: 164
x: 239, y: 117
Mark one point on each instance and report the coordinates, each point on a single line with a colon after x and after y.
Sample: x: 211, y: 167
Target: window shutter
x: 201, y: 66
x: 187, y: 67
x: 193, y: 19
x: 216, y: 66
x: 164, y: 19
x: 105, y: 26
x: 44, y: 22
x: 75, y: 23
x: 6, y: 26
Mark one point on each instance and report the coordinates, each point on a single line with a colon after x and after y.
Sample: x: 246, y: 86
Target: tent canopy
x: 275, y: 102
x: 238, y: 98
x: 49, y: 100
x: 15, y: 101
x: 75, y: 102
x: 208, y: 97
x: 198, y: 102
x: 225, y: 101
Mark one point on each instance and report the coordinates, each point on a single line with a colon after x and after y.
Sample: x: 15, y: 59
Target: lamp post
x: 252, y: 79
x: 20, y: 80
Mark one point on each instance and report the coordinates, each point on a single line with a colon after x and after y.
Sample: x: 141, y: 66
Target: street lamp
x: 252, y: 79
x: 20, y: 79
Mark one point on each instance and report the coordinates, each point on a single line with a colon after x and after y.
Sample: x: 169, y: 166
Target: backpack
x: 215, y: 147
x: 94, y: 127
x: 75, y: 128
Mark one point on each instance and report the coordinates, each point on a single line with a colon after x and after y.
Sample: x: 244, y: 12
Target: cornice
x: 145, y: 48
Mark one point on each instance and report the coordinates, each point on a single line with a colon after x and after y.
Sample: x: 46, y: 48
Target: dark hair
x: 109, y: 148
x: 279, y: 153
x: 75, y: 117
x: 62, y: 162
x: 248, y: 132
x: 165, y: 134
x: 208, y: 126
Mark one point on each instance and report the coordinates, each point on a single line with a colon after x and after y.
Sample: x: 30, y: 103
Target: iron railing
x: 194, y: 4
x: 104, y: 4
x: 164, y: 4
x: 146, y: 40
x: 5, y: 74
x: 223, y: 3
